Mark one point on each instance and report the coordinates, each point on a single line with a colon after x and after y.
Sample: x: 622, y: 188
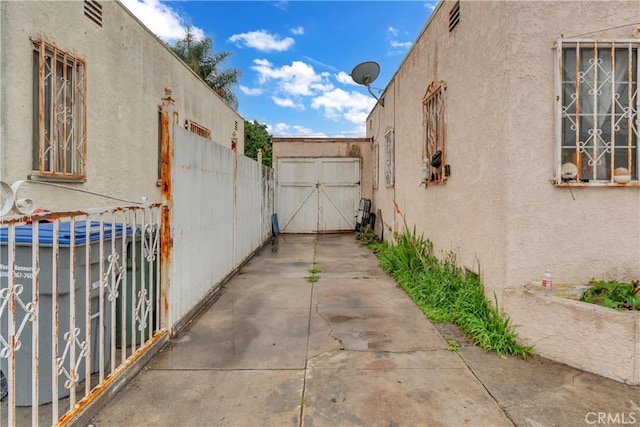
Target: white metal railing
x: 79, y: 299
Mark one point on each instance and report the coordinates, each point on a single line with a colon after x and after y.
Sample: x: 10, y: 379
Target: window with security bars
x: 433, y: 156
x: 389, y: 161
x: 598, y: 111
x: 59, y: 88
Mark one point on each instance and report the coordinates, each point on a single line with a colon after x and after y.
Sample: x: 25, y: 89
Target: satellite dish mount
x: 364, y: 74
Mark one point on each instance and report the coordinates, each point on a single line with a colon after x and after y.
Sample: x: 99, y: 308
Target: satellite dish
x: 364, y: 74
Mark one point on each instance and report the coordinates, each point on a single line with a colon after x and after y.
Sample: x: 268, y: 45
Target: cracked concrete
x: 351, y: 349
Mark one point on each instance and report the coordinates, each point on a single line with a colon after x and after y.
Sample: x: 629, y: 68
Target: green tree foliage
x: 257, y: 138
x: 200, y: 57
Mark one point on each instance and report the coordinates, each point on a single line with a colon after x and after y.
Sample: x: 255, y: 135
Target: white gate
x: 317, y: 194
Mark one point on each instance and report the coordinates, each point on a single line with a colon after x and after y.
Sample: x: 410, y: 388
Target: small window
x: 200, y: 130
x: 434, y: 167
x: 376, y: 165
x: 598, y: 103
x: 454, y: 16
x: 389, y: 160
x: 59, y: 112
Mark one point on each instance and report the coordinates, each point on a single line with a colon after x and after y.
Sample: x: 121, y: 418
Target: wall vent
x: 198, y: 129
x: 93, y: 11
x: 454, y: 16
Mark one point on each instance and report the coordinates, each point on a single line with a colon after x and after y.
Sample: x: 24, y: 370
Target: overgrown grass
x: 447, y: 293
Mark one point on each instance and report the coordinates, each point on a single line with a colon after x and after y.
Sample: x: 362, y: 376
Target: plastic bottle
x: 547, y: 283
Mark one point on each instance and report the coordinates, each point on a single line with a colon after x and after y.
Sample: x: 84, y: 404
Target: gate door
x: 317, y: 194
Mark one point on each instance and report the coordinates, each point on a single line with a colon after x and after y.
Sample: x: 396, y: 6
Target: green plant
x: 314, y: 274
x: 453, y: 345
x: 614, y: 294
x: 446, y: 292
x: 367, y: 235
x: 302, y: 401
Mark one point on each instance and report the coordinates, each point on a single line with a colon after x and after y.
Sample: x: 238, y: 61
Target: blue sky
x: 296, y: 56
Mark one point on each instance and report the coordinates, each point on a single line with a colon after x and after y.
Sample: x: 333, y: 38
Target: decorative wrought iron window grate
x: 389, y: 160
x: 198, y: 129
x: 433, y: 156
x: 59, y: 116
x: 597, y: 111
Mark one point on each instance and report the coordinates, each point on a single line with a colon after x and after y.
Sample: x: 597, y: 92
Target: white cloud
x: 359, y: 131
x: 298, y: 31
x: 284, y: 129
x: 282, y: 4
x: 287, y: 102
x: 262, y: 41
x: 281, y: 127
x: 345, y: 78
x: 430, y: 5
x: 251, y: 92
x: 322, y: 64
x: 163, y: 21
x: 356, y: 116
x: 400, y: 45
x: 351, y: 106
x: 297, y: 79
x: 396, y: 47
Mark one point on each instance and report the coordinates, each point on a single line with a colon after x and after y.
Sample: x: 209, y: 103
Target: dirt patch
x: 451, y: 331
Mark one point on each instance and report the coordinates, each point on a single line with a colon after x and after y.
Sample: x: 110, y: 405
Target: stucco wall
x: 127, y: 70
x: 467, y: 213
x: 330, y: 147
x: 498, y: 208
x: 597, y: 235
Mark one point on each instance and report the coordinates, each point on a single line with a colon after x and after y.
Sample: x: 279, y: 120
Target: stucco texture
x: 127, y: 69
x: 499, y: 210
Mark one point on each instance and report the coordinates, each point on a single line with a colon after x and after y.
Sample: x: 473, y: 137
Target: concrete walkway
x: 350, y: 349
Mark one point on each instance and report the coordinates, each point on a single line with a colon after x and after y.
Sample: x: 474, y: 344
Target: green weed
x: 367, y: 235
x: 614, y: 294
x: 314, y: 274
x: 445, y: 292
x: 453, y: 345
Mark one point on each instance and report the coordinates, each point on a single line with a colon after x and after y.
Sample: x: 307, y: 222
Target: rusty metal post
x: 168, y: 116
x: 234, y: 148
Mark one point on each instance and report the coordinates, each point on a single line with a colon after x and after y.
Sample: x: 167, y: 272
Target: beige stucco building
x: 80, y: 107
x: 501, y: 137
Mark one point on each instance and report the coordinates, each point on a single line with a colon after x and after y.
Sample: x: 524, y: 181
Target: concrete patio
x: 350, y: 349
